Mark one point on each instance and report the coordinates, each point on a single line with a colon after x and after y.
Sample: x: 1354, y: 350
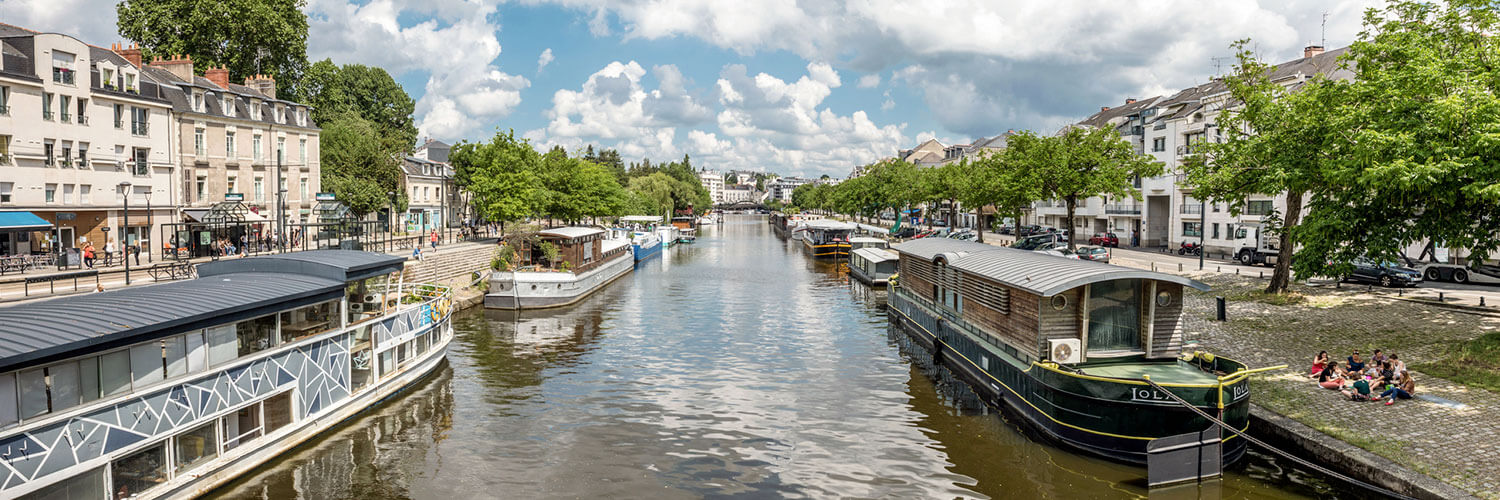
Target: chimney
x: 132, y: 54
x: 219, y: 75
x: 263, y: 84
x: 1103, y: 109
x: 1130, y: 101
x: 1312, y: 50
x: 180, y: 66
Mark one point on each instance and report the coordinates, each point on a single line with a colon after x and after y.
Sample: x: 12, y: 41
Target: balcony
x: 7, y: 160
x: 4, y: 110
x: 140, y: 128
x: 1122, y: 209
x: 67, y: 118
x: 83, y: 120
x: 47, y: 115
x: 1191, y: 208
x: 119, y: 123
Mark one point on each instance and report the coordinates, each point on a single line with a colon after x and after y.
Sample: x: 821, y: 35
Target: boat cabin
x: 578, y: 249
x: 684, y: 222
x: 873, y: 266
x: 1031, y: 303
x: 828, y: 231
x: 859, y: 242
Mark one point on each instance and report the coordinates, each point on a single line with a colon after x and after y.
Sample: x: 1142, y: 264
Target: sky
x: 797, y: 87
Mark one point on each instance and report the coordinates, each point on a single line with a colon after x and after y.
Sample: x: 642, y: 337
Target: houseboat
x: 687, y: 235
x: 644, y: 242
x: 872, y: 266
x: 827, y: 239
x: 667, y: 234
x: 779, y: 224
x: 171, y: 390
x: 859, y: 242
x: 585, y: 259
x: 1067, y: 344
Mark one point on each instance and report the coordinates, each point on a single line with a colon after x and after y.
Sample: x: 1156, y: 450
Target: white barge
x: 171, y: 390
x: 585, y: 260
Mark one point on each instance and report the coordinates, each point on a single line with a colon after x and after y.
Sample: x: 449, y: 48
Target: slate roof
x: 51, y: 330
x: 342, y: 265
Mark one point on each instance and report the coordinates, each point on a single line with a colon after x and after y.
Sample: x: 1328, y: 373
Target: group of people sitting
x: 1358, y: 379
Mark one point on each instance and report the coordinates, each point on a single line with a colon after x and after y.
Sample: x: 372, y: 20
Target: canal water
x: 733, y: 367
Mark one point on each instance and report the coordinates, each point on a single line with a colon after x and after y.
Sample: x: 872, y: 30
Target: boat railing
x: 413, y: 295
x: 1219, y: 383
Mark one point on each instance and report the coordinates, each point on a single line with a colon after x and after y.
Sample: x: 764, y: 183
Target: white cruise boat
x: 171, y: 390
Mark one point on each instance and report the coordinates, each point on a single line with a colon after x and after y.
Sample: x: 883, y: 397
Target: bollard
x: 1218, y: 269
x: 1400, y: 292
x: 1440, y: 296
x: 1179, y: 267
x: 1221, y: 316
x: 1236, y: 271
x: 1153, y: 267
x: 1262, y: 275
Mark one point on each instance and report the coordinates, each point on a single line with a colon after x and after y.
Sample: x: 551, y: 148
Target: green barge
x: 1067, y: 344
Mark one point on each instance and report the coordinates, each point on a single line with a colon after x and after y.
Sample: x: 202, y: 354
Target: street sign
x: 325, y: 197
x: 234, y: 196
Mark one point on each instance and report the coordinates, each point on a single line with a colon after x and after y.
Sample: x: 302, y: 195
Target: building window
x: 83, y: 194
x: 5, y: 150
x: 1159, y: 144
x: 302, y: 189
x: 51, y: 193
x: 47, y: 106
x: 1192, y: 229
x: 198, y: 102
x: 120, y: 116
x: 302, y: 150
x: 228, y: 106
x: 67, y: 154
x: 202, y: 188
x: 47, y: 152
x: 1216, y: 230
x: 5, y: 189
x: 255, y: 147
x: 229, y: 145
x: 138, y: 124
x: 233, y: 185
x: 280, y: 149
x: 140, y: 166
x: 63, y: 105
x: 83, y: 154
x: 68, y: 193
x: 83, y: 107
x: 4, y: 100
x: 259, y: 188
x: 130, y: 82
x: 62, y: 68
x: 1258, y: 207
x: 200, y: 148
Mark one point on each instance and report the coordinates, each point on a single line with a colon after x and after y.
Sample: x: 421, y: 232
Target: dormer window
x: 198, y: 102
x: 62, y: 68
x: 130, y: 82
x: 107, y: 77
x: 228, y: 106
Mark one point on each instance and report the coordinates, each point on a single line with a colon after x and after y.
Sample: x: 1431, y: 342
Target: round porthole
x: 1059, y: 302
x: 533, y: 287
x: 1163, y: 299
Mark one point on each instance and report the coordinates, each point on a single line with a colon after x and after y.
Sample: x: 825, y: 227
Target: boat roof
x: 876, y: 254
x: 613, y: 243
x: 1034, y: 272
x: 36, y: 333
x: 339, y: 265
x: 641, y: 218
x: 866, y: 239
x: 826, y: 224
x: 570, y: 232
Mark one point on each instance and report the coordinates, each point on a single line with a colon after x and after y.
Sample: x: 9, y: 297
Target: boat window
x: 176, y: 355
x: 86, y: 485
x: 222, y: 344
x: 146, y: 364
x: 197, y: 352
x: 307, y: 321
x: 33, y: 392
x: 8, y: 410
x: 88, y: 376
x: 386, y: 362
x: 367, y: 298
x: 278, y: 411
x: 255, y: 335
x: 242, y: 427
x: 1114, y: 315
x: 403, y: 352
x: 64, y: 385
x: 195, y: 446
x: 139, y: 471
x: 114, y: 372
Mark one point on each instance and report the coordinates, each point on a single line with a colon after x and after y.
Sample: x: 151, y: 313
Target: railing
x: 46, y: 114
x: 66, y: 117
x: 1123, y: 209
x: 1191, y: 209
x: 140, y: 128
x: 6, y: 160
x: 83, y: 120
x: 4, y: 110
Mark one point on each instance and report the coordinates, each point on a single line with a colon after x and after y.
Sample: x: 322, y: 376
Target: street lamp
x: 125, y: 188
x: 148, y: 229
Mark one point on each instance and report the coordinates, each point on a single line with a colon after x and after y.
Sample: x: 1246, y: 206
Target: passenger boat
x: 827, y: 239
x: 668, y: 235
x: 586, y: 261
x: 1067, y: 344
x: 171, y: 390
x: 687, y: 235
x: 872, y: 266
x: 859, y: 242
x: 645, y: 245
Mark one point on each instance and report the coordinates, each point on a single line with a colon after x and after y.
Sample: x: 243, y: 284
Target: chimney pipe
x: 1130, y: 101
x: 1103, y: 109
x: 219, y: 75
x: 1312, y: 50
x: 132, y: 54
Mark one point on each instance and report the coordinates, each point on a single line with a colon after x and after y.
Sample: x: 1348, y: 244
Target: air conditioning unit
x: 1065, y: 351
x: 369, y: 298
x: 356, y: 307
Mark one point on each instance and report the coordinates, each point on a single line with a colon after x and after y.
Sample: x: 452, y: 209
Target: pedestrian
x: 434, y: 240
x: 416, y: 252
x: 109, y: 253
x: 136, y: 251
x: 1135, y: 238
x: 88, y: 254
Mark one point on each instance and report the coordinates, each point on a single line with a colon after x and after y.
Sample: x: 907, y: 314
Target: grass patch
x: 1475, y: 363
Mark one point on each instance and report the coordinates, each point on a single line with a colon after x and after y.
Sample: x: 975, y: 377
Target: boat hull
x: 1089, y: 416
x: 541, y: 290
x: 863, y: 277
x: 826, y: 250
x: 643, y: 252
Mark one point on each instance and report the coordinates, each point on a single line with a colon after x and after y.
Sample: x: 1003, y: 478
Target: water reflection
x: 734, y: 366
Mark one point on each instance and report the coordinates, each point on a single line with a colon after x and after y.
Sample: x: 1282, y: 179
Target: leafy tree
x: 367, y: 91
x: 501, y: 174
x: 657, y: 190
x: 1084, y: 162
x: 356, y: 168
x: 249, y: 37
x: 1004, y: 180
x: 895, y: 183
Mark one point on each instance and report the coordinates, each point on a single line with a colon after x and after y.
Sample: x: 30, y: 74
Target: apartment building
x: 424, y: 181
x: 714, y: 183
x: 237, y: 139
x: 82, y: 133
x: 781, y: 189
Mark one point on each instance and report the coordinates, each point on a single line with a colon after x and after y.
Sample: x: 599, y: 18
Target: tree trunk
x: 952, y: 214
x: 1068, y: 226
x: 1282, y: 276
x: 979, y: 222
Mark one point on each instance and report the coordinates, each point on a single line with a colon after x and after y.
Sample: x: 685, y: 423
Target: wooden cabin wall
x: 1060, y: 324
x: 917, y: 275
x: 1166, y: 337
x: 1015, y: 326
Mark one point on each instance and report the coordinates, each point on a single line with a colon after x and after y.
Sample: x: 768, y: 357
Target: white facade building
x: 714, y: 183
x: 781, y: 189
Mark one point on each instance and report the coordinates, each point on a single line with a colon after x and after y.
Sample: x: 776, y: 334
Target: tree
x: 356, y: 168
x: 1276, y: 141
x: 367, y: 91
x: 1082, y: 163
x: 657, y: 190
x: 894, y: 184
x: 249, y: 37
x: 501, y: 174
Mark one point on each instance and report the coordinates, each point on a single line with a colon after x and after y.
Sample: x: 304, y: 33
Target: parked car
x: 1006, y: 229
x: 1387, y: 274
x: 1094, y: 253
x: 1025, y: 231
x: 1060, y: 252
x: 1042, y: 241
x: 1105, y: 240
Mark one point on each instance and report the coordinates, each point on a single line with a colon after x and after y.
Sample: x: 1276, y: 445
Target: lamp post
x: 125, y: 188
x: 148, y: 228
x: 390, y: 219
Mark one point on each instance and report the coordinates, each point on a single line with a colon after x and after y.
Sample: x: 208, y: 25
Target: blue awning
x: 22, y: 220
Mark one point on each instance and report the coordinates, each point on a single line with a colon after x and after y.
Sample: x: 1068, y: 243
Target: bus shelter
x: 214, y: 232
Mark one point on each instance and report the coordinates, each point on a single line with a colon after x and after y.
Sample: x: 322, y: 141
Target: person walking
x: 135, y: 250
x: 88, y: 254
x: 434, y: 240
x: 109, y: 253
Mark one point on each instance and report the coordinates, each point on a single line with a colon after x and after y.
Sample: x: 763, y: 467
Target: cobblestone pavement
x: 1459, y: 445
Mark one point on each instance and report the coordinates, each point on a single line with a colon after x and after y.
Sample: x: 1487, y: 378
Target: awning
x: 194, y: 214
x: 22, y: 221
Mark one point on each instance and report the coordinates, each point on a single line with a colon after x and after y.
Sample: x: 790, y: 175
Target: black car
x: 1387, y: 274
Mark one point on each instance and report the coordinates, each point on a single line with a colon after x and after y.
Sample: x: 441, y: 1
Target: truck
x: 1258, y: 245
x: 1434, y: 265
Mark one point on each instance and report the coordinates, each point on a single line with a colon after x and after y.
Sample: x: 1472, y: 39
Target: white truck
x: 1257, y: 245
x: 1434, y: 266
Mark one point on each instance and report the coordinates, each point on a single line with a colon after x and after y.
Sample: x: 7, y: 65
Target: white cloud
x: 456, y: 48
x: 62, y: 16
x: 869, y: 81
x: 889, y: 103
x: 543, y: 60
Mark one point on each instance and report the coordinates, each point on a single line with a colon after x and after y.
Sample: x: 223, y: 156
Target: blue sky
x: 804, y: 87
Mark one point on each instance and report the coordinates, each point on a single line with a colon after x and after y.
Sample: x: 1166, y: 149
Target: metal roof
x: 829, y: 224
x: 641, y: 218
x: 927, y: 248
x: 340, y: 265
x: 876, y: 254
x: 571, y: 232
x: 35, y: 333
x: 1048, y: 275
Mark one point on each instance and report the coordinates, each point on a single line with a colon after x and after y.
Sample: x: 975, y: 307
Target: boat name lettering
x: 1239, y: 392
x: 1149, y: 395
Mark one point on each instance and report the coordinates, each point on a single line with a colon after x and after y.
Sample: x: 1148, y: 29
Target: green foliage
x: 1081, y: 163
x: 356, y: 167
x: 248, y: 37
x: 656, y: 190
x: 1475, y: 363
x: 367, y: 91
x: 501, y: 174
x: 549, y: 251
